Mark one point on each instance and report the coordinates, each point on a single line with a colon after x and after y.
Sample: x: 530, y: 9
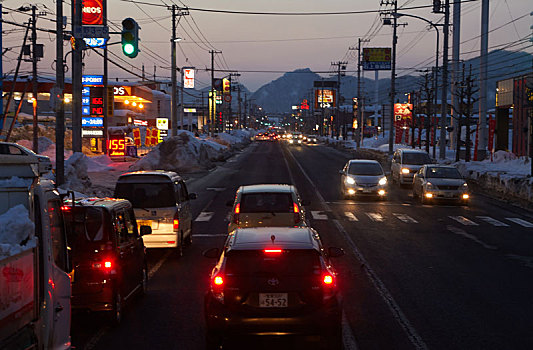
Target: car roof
x: 108, y: 203
x: 259, y: 188
x: 261, y: 238
x: 363, y: 161
x: 170, y: 174
x: 411, y: 150
x: 440, y: 166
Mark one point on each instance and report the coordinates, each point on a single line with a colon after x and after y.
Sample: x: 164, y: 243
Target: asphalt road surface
x: 414, y: 276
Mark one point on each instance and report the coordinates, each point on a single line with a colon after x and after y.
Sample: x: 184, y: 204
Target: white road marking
x: 463, y: 220
x: 319, y: 215
x: 492, y: 221
x: 351, y: 216
x: 524, y: 260
x: 347, y: 335
x: 520, y: 222
x: 204, y: 216
x: 157, y: 266
x: 375, y: 217
x: 405, y: 218
x: 463, y: 233
x: 398, y: 314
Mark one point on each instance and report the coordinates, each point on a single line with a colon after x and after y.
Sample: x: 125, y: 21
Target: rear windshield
x: 257, y: 262
x: 416, y: 158
x: 85, y: 225
x: 369, y: 169
x: 147, y: 195
x: 267, y: 203
x: 448, y: 173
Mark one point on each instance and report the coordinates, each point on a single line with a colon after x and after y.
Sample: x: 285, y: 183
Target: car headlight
x: 291, y: 141
x: 405, y: 171
x: 382, y: 181
x: 465, y: 186
x: 350, y: 180
x: 430, y: 186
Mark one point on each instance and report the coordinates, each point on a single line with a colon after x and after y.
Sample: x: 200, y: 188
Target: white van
x: 161, y: 201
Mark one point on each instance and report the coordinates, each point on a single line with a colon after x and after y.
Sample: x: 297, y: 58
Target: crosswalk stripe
x: 520, y: 222
x: 351, y: 216
x: 405, y: 218
x: 375, y: 217
x: 463, y: 220
x: 492, y: 221
x: 319, y: 215
x: 204, y: 216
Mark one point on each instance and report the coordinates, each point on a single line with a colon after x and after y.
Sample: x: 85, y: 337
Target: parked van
x: 107, y: 254
x: 160, y: 200
x: 405, y: 163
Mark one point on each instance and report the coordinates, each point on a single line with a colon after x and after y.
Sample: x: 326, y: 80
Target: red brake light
x: 238, y: 208
x: 272, y: 251
x: 236, y: 213
x: 218, y: 280
x: 296, y: 208
x: 176, y: 224
x: 65, y: 208
x: 107, y: 264
x: 328, y: 279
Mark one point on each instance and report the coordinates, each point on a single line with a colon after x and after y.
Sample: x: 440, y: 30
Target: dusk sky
x: 274, y: 43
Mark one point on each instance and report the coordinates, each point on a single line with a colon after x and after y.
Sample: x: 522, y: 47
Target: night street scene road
x: 269, y: 174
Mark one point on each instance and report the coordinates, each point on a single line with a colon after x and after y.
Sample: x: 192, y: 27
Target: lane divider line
x: 397, y: 313
x: 204, y: 216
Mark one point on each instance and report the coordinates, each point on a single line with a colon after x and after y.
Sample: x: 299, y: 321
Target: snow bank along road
x: 415, y: 276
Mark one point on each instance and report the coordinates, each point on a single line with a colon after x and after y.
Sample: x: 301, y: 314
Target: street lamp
x: 435, y: 85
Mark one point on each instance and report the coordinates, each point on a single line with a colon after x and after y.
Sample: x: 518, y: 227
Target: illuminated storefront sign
x: 139, y: 122
x: 376, y: 58
x: 188, y: 78
x: 117, y: 146
x: 95, y: 42
x: 92, y: 132
x: 92, y: 121
x: 324, y: 98
x: 122, y: 90
x: 92, y: 79
x: 92, y: 12
x: 161, y: 123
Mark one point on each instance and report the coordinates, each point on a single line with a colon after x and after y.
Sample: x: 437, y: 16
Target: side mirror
x: 212, y: 253
x: 229, y: 204
x: 334, y: 252
x: 305, y: 202
x: 192, y: 196
x: 146, y: 230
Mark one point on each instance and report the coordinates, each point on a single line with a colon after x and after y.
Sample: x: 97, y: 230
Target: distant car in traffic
x: 108, y: 256
x: 405, y: 163
x: 363, y: 177
x: 439, y: 182
x: 266, y: 205
x: 161, y: 201
x: 311, y: 139
x: 273, y: 281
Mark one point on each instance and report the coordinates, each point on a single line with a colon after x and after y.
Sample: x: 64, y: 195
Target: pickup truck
x: 35, y: 286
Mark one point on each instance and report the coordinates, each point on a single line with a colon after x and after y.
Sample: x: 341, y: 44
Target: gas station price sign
x: 117, y: 146
x: 97, y: 101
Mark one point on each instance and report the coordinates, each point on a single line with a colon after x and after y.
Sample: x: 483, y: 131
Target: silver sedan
x: 440, y: 182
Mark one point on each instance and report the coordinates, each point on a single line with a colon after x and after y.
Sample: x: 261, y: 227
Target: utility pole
x: 34, y: 78
x: 239, y: 104
x: 106, y: 93
x: 212, y: 116
x: 340, y: 66
x: 76, y: 75
x: 176, y: 12
x: 181, y: 99
x: 483, y: 78
x: 1, y: 70
x: 456, y: 48
x: 394, y: 24
x: 60, y: 107
x: 359, y: 109
x: 428, y: 95
x: 444, y: 96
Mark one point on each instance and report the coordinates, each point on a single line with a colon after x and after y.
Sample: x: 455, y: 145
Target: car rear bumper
x: 159, y: 240
x: 100, y: 301
x: 323, y: 320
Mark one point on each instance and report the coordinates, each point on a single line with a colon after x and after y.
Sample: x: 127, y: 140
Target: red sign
x: 92, y: 12
x: 304, y: 105
x: 117, y: 146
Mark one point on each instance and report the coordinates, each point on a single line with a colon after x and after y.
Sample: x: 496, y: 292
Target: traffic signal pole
x: 34, y: 77
x: 106, y: 94
x: 60, y: 84
x: 76, y: 76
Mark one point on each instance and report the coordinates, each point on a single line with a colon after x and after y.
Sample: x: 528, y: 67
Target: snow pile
x: 182, y: 153
x: 16, y: 228
x: 244, y: 135
x: 16, y: 181
x: 99, y: 163
x: 76, y: 177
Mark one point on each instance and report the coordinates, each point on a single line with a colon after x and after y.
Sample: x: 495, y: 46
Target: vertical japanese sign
x: 402, y: 118
x: 188, y: 78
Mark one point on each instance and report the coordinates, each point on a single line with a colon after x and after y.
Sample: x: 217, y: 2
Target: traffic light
x: 130, y: 37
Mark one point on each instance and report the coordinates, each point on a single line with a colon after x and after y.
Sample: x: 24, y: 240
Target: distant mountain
x: 279, y: 95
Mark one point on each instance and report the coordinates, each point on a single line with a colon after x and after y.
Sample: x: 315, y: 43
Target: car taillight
x: 65, y: 208
x: 272, y: 251
x: 236, y: 213
x: 296, y: 210
x: 176, y: 222
x: 328, y: 285
x: 105, y: 265
x: 217, y: 287
x: 328, y: 279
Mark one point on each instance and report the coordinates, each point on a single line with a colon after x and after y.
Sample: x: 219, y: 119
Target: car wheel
x: 179, y: 248
x: 116, y: 312
x: 213, y: 340
x: 144, y: 281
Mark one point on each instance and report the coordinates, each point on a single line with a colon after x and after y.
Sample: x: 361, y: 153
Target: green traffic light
x: 128, y: 49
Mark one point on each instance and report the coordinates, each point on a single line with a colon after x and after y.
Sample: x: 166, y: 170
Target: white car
x: 363, y: 177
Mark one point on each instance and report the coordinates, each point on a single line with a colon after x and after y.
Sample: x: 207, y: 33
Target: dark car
x: 108, y: 254
x: 273, y: 281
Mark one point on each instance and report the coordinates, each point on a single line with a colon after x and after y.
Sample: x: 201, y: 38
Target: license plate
x: 366, y: 190
x: 448, y: 195
x: 273, y: 300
